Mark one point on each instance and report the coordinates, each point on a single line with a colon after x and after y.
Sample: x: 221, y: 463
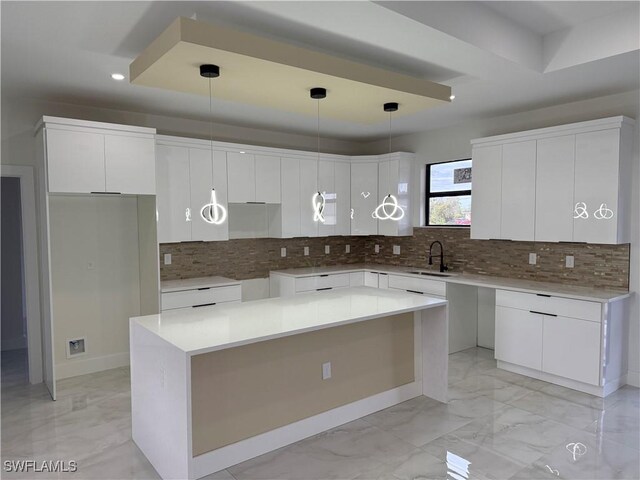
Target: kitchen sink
x: 430, y: 274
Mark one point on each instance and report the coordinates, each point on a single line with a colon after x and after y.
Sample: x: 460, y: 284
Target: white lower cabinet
x: 418, y: 285
x: 519, y: 337
x: 201, y: 297
x: 571, y: 348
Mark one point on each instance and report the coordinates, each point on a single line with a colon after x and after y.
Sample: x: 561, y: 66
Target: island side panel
x: 435, y: 352
x: 159, y: 402
x: 245, y: 391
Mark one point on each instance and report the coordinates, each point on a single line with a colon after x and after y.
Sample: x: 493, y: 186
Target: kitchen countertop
x: 208, y: 329
x: 194, y: 283
x: 515, y: 284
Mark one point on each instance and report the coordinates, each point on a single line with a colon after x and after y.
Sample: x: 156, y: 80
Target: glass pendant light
x: 318, y: 200
x: 212, y: 212
x: 389, y: 209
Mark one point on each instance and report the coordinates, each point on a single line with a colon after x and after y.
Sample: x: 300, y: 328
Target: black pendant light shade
x: 391, y: 107
x: 209, y: 70
x: 318, y: 93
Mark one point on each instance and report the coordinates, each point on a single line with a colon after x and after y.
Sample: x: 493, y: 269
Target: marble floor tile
x: 519, y: 435
x: 479, y: 434
x: 556, y: 408
x: 589, y: 457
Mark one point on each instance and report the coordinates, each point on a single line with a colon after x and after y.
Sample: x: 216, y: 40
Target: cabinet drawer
x: 191, y: 298
x: 550, y: 305
x: 356, y: 279
x: 421, y: 285
x: 307, y: 284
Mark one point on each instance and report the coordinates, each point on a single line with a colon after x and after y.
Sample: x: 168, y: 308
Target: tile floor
x: 497, y: 425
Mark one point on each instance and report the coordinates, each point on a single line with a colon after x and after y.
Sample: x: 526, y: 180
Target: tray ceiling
x: 260, y: 71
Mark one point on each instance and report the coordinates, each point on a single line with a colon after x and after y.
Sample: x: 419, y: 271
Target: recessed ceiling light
x: 242, y: 152
x: 117, y: 76
x: 452, y: 97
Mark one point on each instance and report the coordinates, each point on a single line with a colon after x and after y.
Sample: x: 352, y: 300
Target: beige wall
x: 244, y: 391
x: 95, y: 278
x: 452, y: 143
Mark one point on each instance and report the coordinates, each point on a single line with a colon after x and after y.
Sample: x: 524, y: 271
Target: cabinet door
x: 371, y: 279
x: 290, y: 208
x: 206, y: 174
x: 518, y: 201
x: 172, y: 194
x: 267, y: 179
x: 554, y: 189
x: 241, y: 173
x: 308, y: 187
x: 519, y: 337
x: 326, y: 184
x: 364, y: 198
x: 130, y: 164
x: 75, y: 161
x: 342, y: 180
x: 486, y: 192
x: 571, y: 349
x: 387, y: 184
x: 596, y: 186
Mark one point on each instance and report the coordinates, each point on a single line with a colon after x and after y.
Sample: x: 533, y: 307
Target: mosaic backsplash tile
x: 605, y: 266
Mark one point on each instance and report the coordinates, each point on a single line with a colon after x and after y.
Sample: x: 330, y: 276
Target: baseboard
x: 633, y: 379
x: 83, y: 366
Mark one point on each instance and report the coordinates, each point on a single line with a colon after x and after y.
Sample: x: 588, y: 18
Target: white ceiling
x: 499, y: 57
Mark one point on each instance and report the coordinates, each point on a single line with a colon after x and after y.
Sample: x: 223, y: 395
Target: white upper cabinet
x: 566, y: 183
x: 394, y: 178
x: 241, y: 172
x: 130, y: 164
x: 75, y: 161
x: 486, y: 193
x: 308, y: 187
x: 173, y: 200
x: 267, y: 179
x: 342, y: 184
x: 290, y: 207
x: 207, y: 173
x: 326, y: 185
x: 596, y: 186
x: 94, y: 157
x: 554, y: 194
x: 364, y: 197
x: 518, y: 191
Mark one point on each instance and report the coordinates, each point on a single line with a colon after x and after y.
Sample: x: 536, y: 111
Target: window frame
x: 448, y: 193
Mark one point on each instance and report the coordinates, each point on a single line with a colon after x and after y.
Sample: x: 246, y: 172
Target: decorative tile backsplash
x: 605, y: 266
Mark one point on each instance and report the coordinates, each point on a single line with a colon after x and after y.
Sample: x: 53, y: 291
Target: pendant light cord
x: 211, y: 120
x: 389, y: 162
x: 318, y: 162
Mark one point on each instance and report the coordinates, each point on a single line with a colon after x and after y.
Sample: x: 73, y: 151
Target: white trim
x: 633, y: 379
x: 82, y: 366
x: 64, y: 124
x: 235, y: 453
x: 610, y: 387
x: 31, y: 285
x: 567, y: 129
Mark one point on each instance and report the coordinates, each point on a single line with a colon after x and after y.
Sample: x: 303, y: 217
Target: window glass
x: 448, y: 200
x: 450, y: 210
x: 450, y: 176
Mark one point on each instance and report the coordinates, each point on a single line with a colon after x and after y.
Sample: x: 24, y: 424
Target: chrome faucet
x: 443, y: 267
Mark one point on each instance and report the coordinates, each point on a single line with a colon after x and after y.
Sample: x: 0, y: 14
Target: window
x: 448, y: 200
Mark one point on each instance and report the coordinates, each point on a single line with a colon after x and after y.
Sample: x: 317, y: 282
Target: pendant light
x: 212, y: 212
x: 318, y: 200
x: 389, y: 209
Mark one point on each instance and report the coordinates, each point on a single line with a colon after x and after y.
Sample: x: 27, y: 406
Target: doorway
x: 20, y: 323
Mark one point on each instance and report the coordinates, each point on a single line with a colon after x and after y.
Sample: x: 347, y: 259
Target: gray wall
x: 13, y: 308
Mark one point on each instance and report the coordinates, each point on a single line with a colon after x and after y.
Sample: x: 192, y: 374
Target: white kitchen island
x: 214, y: 386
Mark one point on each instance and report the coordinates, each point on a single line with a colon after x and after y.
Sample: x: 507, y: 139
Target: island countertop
x: 207, y: 329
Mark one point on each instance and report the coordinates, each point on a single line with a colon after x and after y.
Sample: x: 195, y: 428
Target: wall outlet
x: 326, y: 371
x: 347, y: 249
x: 376, y: 249
x: 327, y: 249
x: 306, y: 251
x: 569, y: 261
x: 167, y: 259
x: 396, y: 249
x: 283, y: 252
x: 533, y: 259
